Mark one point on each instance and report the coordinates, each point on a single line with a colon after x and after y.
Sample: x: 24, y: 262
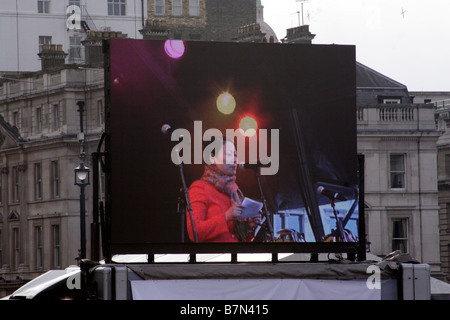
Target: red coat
x: 208, y: 209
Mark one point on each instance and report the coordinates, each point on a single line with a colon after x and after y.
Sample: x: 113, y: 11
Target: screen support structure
x: 99, y: 226
x: 361, y: 250
x: 105, y: 208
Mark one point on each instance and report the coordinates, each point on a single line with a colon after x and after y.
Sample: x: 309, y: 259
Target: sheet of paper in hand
x: 251, y: 208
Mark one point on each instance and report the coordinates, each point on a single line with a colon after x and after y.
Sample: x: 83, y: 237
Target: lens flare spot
x: 248, y: 126
x: 174, y: 48
x: 226, y: 103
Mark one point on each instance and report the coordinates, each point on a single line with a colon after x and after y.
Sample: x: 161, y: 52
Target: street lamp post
x: 82, y: 180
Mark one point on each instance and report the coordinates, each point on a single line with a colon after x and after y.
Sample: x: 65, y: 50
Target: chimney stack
x: 299, y: 35
x: 93, y: 45
x: 250, y: 33
x: 155, y: 29
x: 52, y: 56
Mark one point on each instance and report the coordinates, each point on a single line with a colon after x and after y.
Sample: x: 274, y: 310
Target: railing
x: 360, y: 114
x: 387, y: 113
x: 396, y: 113
x: 441, y: 104
x: 87, y: 21
x: 396, y: 117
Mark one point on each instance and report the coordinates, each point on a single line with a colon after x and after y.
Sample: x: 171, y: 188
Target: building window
x: 448, y: 216
x: 43, y: 6
x: 101, y: 113
x: 74, y: 3
x: 15, y: 182
x: 38, y: 120
x: 56, y: 247
x: 16, y: 120
x: 38, y: 180
x: 195, y: 36
x: 75, y: 49
x: 177, y: 8
x: 400, y: 234
x: 39, y: 251
x: 160, y: 7
x: 1, y: 252
x: 1, y: 192
x: 55, y: 179
x: 391, y: 101
x: 56, y: 120
x: 16, y: 248
x: 447, y: 165
x: 194, y: 8
x: 397, y: 171
x: 117, y: 7
x: 43, y: 40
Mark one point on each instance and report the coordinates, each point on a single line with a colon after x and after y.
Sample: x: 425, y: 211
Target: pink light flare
x: 174, y: 48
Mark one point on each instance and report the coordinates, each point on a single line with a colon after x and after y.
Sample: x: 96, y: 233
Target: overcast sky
x: 406, y: 40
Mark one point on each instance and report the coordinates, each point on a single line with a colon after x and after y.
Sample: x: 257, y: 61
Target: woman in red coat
x: 216, y: 198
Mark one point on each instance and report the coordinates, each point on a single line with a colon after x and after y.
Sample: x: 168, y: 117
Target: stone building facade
x: 27, y: 25
x: 197, y: 19
x: 398, y: 139
x: 440, y: 101
x: 443, y: 146
x: 39, y: 134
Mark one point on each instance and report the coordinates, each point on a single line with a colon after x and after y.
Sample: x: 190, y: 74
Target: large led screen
x: 230, y: 147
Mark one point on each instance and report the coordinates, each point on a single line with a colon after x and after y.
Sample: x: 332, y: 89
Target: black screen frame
x: 112, y: 247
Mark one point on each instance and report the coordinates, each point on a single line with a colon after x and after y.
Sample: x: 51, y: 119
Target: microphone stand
x: 339, y: 227
x: 166, y: 129
x: 188, y: 202
x: 266, y: 211
x: 181, y: 209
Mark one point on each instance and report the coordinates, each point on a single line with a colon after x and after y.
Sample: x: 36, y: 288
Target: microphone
x: 166, y: 129
x: 330, y: 194
x: 256, y: 165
